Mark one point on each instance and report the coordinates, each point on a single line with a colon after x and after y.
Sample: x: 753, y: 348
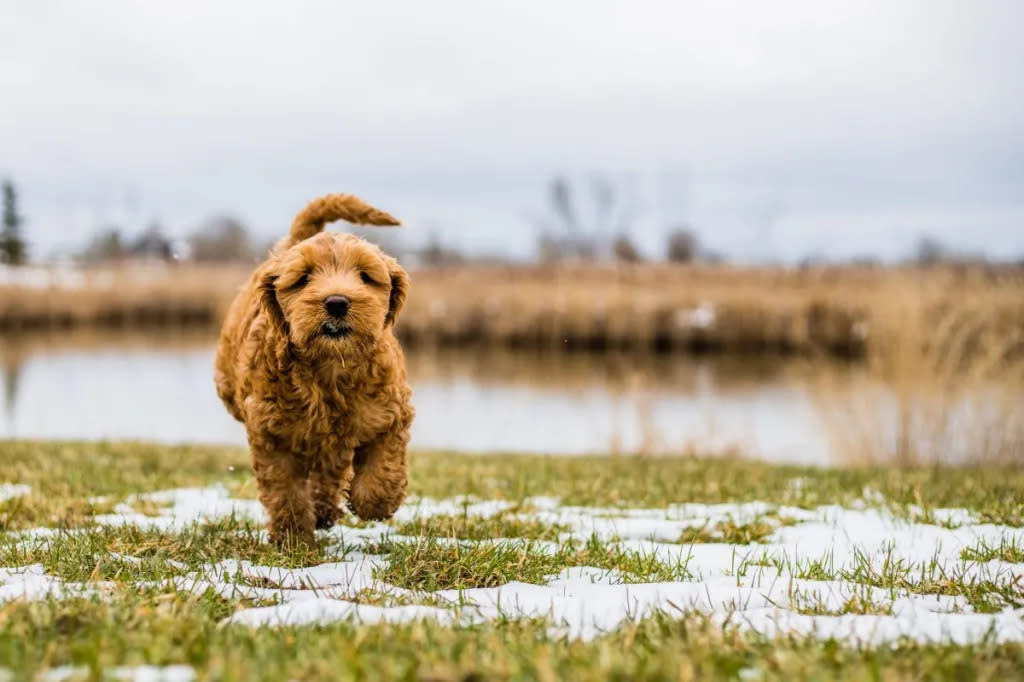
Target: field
x: 117, y: 556
x: 142, y: 561
x: 839, y: 311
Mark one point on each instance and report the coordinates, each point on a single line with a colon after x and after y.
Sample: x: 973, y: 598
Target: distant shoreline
x: 834, y: 311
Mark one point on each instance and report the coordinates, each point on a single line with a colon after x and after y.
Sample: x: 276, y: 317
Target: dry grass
x: 642, y: 307
x: 835, y: 311
x: 941, y: 382
x: 825, y: 310
x: 122, y: 297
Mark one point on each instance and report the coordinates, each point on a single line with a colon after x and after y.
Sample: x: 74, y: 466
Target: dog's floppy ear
x: 269, y: 302
x: 399, y: 290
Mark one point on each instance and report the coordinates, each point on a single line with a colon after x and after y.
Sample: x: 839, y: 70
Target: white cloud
x: 257, y: 106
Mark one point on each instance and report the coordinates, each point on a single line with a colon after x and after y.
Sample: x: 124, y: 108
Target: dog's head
x: 333, y: 294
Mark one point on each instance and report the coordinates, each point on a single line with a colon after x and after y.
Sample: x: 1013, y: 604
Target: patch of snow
x: 31, y: 569
x: 659, y: 524
x: 872, y: 630
x: 8, y: 491
x: 184, y: 507
x: 138, y: 561
x: 586, y: 574
x: 138, y: 673
x: 153, y: 673
x: 326, y: 610
x: 585, y: 610
x: 34, y: 586
x: 62, y: 673
x: 425, y: 507
x: 949, y: 517
x: 758, y: 587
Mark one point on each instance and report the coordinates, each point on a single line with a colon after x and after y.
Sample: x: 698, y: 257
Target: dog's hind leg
x: 381, y: 476
x: 329, y: 480
x: 283, y: 490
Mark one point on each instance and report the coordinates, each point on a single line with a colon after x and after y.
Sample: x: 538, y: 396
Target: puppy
x: 308, y: 361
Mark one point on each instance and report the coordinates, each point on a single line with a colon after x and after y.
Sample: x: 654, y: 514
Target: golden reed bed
x: 833, y: 311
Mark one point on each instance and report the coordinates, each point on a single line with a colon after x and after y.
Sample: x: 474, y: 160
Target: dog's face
x: 333, y: 294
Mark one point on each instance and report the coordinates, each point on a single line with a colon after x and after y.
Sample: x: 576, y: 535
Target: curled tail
x: 331, y: 207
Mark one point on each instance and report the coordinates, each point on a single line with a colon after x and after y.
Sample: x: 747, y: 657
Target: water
x: 160, y: 388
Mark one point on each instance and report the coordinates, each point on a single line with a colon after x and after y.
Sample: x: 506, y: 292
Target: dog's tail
x: 331, y: 207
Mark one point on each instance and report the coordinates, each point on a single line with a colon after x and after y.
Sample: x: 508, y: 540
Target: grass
x: 93, y: 553
x: 140, y: 615
x: 508, y: 525
x: 858, y: 604
x: 994, y: 493
x: 1008, y: 550
x: 433, y: 564
x: 730, y: 532
x: 896, y: 574
x: 63, y: 491
x: 173, y: 628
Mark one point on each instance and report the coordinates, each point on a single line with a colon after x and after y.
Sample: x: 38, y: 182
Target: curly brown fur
x: 323, y: 396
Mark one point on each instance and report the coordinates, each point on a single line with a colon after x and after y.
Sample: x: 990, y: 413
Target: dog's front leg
x: 281, y: 478
x: 381, y: 476
x: 329, y: 480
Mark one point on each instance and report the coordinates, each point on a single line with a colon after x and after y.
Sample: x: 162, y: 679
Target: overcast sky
x: 776, y: 129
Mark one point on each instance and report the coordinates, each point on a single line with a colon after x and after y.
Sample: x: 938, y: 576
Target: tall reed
x: 943, y: 380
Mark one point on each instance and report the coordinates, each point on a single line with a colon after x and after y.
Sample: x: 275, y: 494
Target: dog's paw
x: 370, y: 508
x: 293, y: 533
x: 291, y: 541
x: 326, y: 517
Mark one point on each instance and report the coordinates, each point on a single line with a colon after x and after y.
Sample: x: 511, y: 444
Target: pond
x: 160, y: 388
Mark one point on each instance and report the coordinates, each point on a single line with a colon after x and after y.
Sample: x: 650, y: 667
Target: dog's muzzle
x: 335, y: 329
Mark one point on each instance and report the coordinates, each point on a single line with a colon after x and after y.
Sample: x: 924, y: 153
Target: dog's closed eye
x: 302, y: 281
x: 367, y: 279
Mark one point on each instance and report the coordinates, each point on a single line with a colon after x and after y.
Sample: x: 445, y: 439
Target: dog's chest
x: 336, y: 417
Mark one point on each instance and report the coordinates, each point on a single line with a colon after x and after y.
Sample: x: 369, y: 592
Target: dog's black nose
x: 337, y: 306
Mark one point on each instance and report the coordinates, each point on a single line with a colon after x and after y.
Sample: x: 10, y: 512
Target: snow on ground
x: 755, y: 587
x: 138, y: 673
x: 182, y: 507
x: 9, y: 491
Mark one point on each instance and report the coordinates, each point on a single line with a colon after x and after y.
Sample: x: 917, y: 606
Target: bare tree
x: 152, y: 244
x: 563, y: 204
x: 682, y: 245
x: 624, y: 250
x: 223, y: 239
x: 583, y: 230
x: 107, y: 245
x: 931, y: 251
x: 434, y: 253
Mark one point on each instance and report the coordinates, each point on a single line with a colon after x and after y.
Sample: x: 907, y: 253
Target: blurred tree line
x: 583, y: 222
x: 12, y: 244
x: 576, y: 228
x: 222, y: 239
